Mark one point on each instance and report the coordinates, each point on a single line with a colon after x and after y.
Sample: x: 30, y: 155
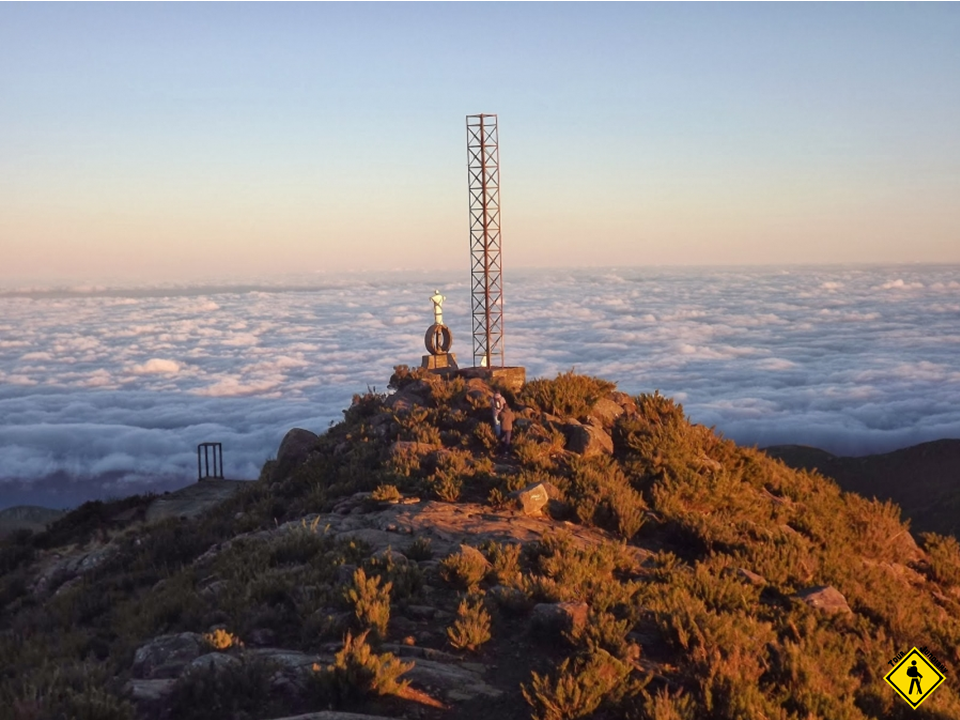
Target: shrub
x: 568, y: 395
x: 71, y: 691
x: 600, y: 494
x: 483, y: 433
x: 496, y: 499
x: 386, y: 493
x: 578, y: 688
x: 405, y: 578
x: 604, y: 631
x: 220, y: 639
x: 371, y: 603
x: 445, y: 485
x: 404, y: 375
x: 420, y: 549
x: 505, y: 558
x: 944, y: 553
x: 471, y: 629
x: 358, y: 672
x: 464, y: 569
x: 222, y: 693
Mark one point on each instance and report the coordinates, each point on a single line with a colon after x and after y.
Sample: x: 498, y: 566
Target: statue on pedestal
x: 438, y: 340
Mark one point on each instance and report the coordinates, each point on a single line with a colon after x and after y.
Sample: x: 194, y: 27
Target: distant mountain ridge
x: 924, y: 479
x: 27, y: 517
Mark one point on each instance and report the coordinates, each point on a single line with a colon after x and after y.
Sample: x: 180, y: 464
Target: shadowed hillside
x: 619, y: 562
x: 924, y: 480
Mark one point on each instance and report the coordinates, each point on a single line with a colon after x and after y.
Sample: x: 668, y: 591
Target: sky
x: 106, y: 392
x: 173, y: 141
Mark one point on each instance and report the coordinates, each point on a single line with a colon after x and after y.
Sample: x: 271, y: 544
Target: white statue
x: 437, y: 307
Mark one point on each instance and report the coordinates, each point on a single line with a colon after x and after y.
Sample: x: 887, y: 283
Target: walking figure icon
x: 915, y: 676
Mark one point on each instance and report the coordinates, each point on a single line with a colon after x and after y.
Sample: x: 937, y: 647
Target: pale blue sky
x: 159, y: 141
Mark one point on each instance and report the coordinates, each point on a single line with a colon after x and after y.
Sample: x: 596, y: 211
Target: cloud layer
x: 112, y: 390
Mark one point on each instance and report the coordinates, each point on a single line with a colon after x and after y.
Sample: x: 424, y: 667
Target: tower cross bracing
x: 486, y: 276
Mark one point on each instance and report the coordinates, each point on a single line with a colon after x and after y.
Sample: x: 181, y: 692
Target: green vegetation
x: 683, y: 553
x: 472, y: 626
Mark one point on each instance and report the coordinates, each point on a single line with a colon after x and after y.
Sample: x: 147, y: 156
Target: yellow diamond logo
x: 914, y: 678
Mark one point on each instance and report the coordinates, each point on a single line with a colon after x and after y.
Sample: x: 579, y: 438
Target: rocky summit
x: 616, y: 561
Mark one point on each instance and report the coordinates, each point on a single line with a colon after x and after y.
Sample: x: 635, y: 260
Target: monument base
x: 511, y: 377
x: 445, y: 362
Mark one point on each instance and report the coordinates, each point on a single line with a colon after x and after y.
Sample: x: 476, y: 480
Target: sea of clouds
x: 107, y: 391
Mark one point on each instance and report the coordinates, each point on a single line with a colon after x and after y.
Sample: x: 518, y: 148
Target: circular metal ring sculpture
x: 438, y: 339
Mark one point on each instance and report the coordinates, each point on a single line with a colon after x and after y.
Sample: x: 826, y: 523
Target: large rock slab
x: 64, y: 568
x: 193, y: 500
x: 166, y: 656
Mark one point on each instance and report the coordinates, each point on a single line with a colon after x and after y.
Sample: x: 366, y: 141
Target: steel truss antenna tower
x: 486, y: 286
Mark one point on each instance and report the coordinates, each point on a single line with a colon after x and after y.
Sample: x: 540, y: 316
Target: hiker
x: 497, y: 404
x: 506, y: 424
x: 913, y: 673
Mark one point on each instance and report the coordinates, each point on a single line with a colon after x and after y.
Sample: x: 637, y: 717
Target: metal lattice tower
x: 486, y: 278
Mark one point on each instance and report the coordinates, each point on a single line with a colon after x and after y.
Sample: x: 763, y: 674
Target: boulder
x: 471, y: 554
x: 625, y: 401
x: 166, y: 656
x: 70, y: 567
x: 606, y: 411
x: 559, y: 617
x: 294, y: 450
x: 403, y: 401
x: 825, y: 598
x: 532, y: 498
x: 587, y: 440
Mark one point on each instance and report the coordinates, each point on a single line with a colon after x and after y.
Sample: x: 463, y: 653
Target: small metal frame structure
x: 486, y: 277
x: 204, y: 451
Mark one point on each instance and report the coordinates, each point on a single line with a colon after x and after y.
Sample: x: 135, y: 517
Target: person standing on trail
x: 497, y: 404
x: 506, y: 424
x: 915, y: 676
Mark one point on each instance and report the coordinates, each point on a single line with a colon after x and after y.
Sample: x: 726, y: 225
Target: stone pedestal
x: 443, y: 361
x: 512, y: 377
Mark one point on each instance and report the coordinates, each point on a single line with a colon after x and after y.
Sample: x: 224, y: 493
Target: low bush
x: 371, y: 603
x: 357, y: 672
x: 216, y: 692
x: 577, y: 689
x: 944, y: 554
x: 471, y: 629
x: 567, y: 395
x: 464, y: 570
